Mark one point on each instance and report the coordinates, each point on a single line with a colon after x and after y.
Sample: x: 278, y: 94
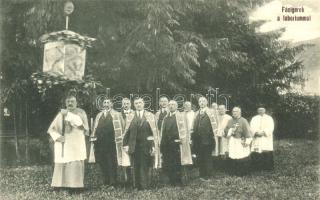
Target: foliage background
x: 177, y: 45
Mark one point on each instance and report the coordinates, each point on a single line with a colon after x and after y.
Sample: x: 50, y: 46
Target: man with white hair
x: 205, y: 126
x: 175, y: 146
x: 262, y: 126
x: 141, y: 142
x: 240, y: 137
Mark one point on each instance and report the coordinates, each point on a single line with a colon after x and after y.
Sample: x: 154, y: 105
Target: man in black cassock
x: 170, y: 146
x: 125, y: 111
x: 139, y: 143
x: 105, y: 145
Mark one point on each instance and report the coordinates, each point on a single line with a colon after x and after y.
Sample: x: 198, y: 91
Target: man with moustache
x: 107, y: 135
x: 126, y: 108
x: 68, y: 131
x: 175, y: 146
x: 163, y: 111
x: 140, y: 141
x: 205, y: 126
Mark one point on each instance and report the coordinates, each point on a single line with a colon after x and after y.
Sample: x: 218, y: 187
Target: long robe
x: 221, y: 141
x: 141, y: 137
x: 262, y: 123
x: 239, y: 152
x: 189, y: 117
x: 205, y: 126
x: 183, y: 134
x: 108, y: 126
x: 175, y: 154
x: 118, y: 124
x: 241, y: 134
x: 69, y: 156
x: 262, y: 146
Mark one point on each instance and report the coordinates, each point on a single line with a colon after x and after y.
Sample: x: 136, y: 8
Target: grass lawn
x: 296, y: 176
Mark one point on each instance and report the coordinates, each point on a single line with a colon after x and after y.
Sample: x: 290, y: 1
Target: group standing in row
x: 138, y: 140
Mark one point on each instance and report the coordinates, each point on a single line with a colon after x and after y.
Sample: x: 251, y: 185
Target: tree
x: 177, y: 45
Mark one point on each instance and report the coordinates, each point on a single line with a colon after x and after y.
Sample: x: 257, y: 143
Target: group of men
x: 136, y: 141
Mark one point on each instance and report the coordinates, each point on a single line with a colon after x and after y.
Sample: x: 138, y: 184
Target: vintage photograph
x: 159, y: 99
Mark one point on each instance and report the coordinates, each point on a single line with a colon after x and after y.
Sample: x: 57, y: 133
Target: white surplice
x: 74, y: 147
x: 222, y: 142
x: 262, y: 123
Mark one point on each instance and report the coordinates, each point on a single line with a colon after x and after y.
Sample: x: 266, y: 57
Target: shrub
x: 297, y: 116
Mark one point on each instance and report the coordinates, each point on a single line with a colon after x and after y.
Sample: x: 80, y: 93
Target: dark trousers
x: 141, y: 168
x: 239, y: 167
x: 219, y: 162
x: 108, y: 166
x: 172, y: 164
x: 205, y: 160
x: 262, y: 161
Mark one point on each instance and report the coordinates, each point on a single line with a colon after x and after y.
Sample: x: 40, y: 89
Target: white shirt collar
x: 140, y: 111
x: 163, y: 109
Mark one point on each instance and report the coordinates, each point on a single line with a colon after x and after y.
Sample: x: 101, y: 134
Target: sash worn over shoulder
x: 213, y: 119
x: 152, y: 122
x: 122, y: 156
x: 185, y: 150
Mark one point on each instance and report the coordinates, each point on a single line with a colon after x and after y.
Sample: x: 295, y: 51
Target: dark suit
x: 161, y: 117
x: 203, y: 142
x: 171, y: 150
x: 139, y: 150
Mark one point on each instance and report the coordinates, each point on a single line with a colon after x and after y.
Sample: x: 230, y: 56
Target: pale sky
x: 295, y: 30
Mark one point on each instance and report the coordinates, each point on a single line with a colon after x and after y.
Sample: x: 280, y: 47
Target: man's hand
x: 259, y: 134
x: 64, y: 112
x: 153, y: 151
x: 60, y: 139
x: 93, y: 138
x: 177, y: 141
x: 126, y: 148
x: 246, y: 143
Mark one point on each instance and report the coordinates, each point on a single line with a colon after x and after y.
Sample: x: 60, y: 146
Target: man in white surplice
x: 189, y: 115
x: 68, y: 131
x: 262, y: 126
x: 222, y: 141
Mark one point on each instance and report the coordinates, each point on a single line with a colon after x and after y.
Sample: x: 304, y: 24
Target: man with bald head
x: 203, y: 142
x: 175, y: 146
x: 239, y: 133
x: 262, y: 126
